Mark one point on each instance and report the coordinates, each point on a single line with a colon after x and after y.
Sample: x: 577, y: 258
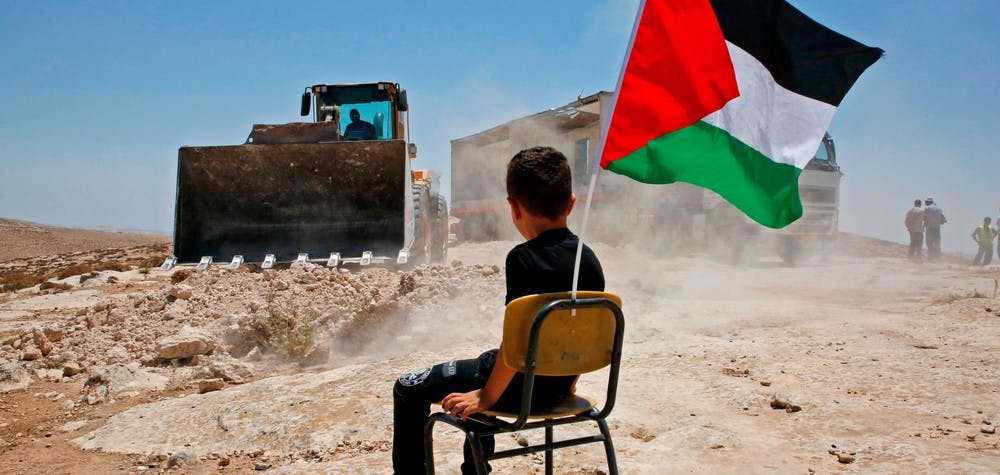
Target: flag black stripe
x: 802, y: 55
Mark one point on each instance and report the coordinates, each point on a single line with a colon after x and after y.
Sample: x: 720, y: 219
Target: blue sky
x: 97, y: 96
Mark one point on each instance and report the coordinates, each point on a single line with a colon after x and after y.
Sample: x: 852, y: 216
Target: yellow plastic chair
x: 543, y: 337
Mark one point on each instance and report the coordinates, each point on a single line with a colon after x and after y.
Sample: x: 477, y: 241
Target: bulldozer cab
x: 359, y: 111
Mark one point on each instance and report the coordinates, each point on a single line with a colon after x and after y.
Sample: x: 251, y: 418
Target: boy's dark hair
x: 539, y: 178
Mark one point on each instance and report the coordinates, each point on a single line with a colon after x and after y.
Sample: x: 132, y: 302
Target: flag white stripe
x: 781, y: 124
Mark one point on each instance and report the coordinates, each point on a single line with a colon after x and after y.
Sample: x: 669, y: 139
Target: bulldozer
x: 336, y: 190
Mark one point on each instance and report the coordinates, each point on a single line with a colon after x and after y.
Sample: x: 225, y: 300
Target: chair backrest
x: 567, y: 344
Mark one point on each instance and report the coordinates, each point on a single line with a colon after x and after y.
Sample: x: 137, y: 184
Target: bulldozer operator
x: 359, y: 129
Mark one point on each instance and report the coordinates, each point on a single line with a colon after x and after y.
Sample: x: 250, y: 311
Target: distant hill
x: 21, y: 239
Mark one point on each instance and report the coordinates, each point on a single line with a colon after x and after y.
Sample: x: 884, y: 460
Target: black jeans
x: 412, y: 397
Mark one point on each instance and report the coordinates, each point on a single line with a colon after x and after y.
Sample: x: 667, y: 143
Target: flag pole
x: 583, y: 228
x: 600, y: 155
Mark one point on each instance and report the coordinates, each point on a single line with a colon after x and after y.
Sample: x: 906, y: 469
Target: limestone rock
x: 181, y: 292
x: 185, y: 344
x: 12, y: 377
x: 230, y: 369
x: 107, y: 382
x: 49, y: 374
x: 72, y: 426
x: 118, y: 354
x: 209, y: 385
x: 781, y: 402
x: 41, y: 341
x: 31, y: 353
x: 54, y: 334
x: 71, y: 368
x: 181, y: 458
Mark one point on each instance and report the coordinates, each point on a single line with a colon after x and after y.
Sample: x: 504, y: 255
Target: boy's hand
x: 463, y: 405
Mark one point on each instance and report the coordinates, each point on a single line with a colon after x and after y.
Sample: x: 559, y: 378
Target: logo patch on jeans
x: 450, y: 368
x: 414, y: 378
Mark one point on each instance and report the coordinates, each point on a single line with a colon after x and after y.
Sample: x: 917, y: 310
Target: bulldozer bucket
x: 286, y: 199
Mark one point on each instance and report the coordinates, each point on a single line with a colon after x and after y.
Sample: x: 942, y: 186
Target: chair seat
x: 571, y: 406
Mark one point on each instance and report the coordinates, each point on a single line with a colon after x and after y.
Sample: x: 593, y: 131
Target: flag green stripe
x: 708, y: 156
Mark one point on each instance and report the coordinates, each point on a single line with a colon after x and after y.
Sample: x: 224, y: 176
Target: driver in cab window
x: 359, y: 129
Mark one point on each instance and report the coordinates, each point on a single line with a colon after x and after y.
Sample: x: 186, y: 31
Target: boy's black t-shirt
x: 545, y: 264
x: 542, y: 265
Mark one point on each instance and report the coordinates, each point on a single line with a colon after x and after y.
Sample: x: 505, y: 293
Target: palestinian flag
x: 731, y: 95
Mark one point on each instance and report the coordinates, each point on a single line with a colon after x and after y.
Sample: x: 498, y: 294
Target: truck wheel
x: 420, y: 251
x: 439, y: 231
x: 789, y: 250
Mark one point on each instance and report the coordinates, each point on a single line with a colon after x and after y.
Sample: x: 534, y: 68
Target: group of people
x: 924, y: 224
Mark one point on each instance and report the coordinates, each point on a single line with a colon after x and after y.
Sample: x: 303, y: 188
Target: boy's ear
x: 572, y: 201
x: 515, y: 208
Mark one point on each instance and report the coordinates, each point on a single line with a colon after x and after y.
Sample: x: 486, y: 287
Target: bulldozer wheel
x: 439, y: 231
x: 789, y: 250
x: 420, y: 251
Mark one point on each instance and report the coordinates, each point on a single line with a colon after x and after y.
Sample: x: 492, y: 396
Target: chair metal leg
x: 478, y: 457
x: 429, y: 446
x: 609, y: 448
x: 548, y: 453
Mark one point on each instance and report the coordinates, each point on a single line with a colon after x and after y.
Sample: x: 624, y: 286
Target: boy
x: 540, y: 195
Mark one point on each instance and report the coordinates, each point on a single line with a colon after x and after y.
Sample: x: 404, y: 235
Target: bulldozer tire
x: 789, y: 250
x: 420, y: 251
x: 439, y: 231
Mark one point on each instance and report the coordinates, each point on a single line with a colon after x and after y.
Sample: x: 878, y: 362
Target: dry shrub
x: 112, y: 265
x: 150, y: 262
x: 291, y: 332
x: 11, y: 281
x: 75, y: 269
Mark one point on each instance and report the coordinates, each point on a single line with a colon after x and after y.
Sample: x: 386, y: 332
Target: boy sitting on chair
x: 540, y: 194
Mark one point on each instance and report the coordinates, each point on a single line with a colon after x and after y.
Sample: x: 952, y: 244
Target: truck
x: 338, y: 189
x: 675, y: 218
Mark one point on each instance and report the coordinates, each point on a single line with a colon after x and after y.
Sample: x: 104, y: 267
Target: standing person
x: 933, y: 219
x: 914, y: 223
x: 983, y: 235
x: 540, y: 195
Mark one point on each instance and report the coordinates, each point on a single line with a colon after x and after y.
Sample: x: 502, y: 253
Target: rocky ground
x: 858, y: 362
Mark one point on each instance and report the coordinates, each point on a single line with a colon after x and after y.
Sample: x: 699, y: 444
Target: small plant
x: 291, y: 331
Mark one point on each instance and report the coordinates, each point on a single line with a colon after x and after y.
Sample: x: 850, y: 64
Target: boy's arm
x: 465, y: 404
